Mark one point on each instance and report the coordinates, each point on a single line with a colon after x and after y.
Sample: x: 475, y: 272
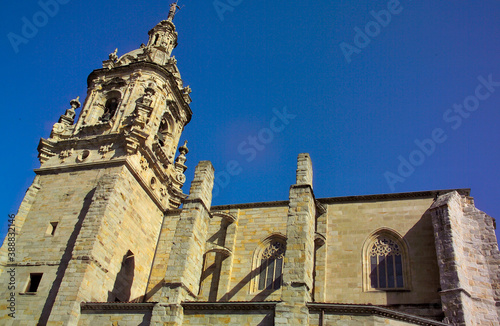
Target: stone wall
x: 162, y: 255
x: 469, y: 261
x: 94, y: 315
x: 229, y: 317
x: 114, y: 250
x: 102, y: 247
x: 353, y: 320
x: 254, y: 226
x: 350, y: 225
x: 322, y: 314
x: 37, y: 250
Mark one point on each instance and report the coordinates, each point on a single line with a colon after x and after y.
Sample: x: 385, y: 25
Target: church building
x: 105, y: 235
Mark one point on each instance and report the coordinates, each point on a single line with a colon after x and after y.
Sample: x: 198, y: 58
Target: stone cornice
x: 351, y: 199
x: 402, y: 195
x: 173, y: 212
x: 460, y: 290
x: 368, y: 310
x: 79, y: 166
x: 229, y: 305
x: 117, y: 306
x: 85, y: 306
x: 91, y: 141
x: 114, y: 162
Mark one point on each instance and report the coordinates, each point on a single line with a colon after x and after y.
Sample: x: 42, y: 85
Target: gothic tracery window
x: 271, y: 266
x: 386, y: 264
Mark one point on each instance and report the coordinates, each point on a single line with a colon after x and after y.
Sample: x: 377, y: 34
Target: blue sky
x: 386, y: 96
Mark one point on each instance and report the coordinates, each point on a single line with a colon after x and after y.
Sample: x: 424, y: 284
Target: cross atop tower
x: 173, y: 8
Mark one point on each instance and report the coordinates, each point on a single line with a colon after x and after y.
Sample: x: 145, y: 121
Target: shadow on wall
x: 122, y: 288
x: 61, y: 270
x: 259, y: 296
x: 423, y: 273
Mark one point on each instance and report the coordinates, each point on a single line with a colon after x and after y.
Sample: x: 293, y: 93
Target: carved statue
x: 147, y: 98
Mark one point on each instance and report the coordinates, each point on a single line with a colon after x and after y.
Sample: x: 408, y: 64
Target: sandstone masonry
x: 102, y: 238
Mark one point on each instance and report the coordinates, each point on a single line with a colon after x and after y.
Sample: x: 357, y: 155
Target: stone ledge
x: 246, y: 305
x: 347, y: 309
x: 351, y: 199
x: 116, y: 306
x: 79, y: 166
x: 401, y: 195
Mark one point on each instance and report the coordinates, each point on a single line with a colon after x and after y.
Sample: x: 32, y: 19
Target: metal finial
x: 173, y: 8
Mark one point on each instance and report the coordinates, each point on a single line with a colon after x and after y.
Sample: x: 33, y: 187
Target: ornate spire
x: 173, y: 9
x: 162, y: 40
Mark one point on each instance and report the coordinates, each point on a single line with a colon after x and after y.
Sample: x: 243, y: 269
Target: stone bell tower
x: 88, y: 227
x: 136, y: 108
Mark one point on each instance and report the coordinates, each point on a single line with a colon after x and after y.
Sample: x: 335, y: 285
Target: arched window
x: 386, y: 262
x: 269, y: 267
x: 110, y: 109
x: 165, y: 129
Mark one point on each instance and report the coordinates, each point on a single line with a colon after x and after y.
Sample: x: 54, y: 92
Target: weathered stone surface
x: 468, y: 259
x: 102, y: 226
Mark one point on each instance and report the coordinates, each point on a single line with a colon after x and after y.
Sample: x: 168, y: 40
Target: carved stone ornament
x: 105, y: 149
x: 112, y: 56
x: 180, y: 177
x: 172, y: 60
x: 144, y: 163
x: 181, y: 159
x: 66, y: 120
x: 182, y: 113
x: 58, y: 128
x: 83, y: 155
x: 65, y: 154
x: 163, y: 191
x: 147, y: 98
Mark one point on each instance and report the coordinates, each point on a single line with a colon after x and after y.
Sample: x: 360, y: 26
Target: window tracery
x: 386, y: 265
x: 271, y: 266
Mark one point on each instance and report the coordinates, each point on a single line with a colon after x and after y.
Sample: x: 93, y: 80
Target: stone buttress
x: 469, y: 261
x: 299, y: 259
x: 185, y: 264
